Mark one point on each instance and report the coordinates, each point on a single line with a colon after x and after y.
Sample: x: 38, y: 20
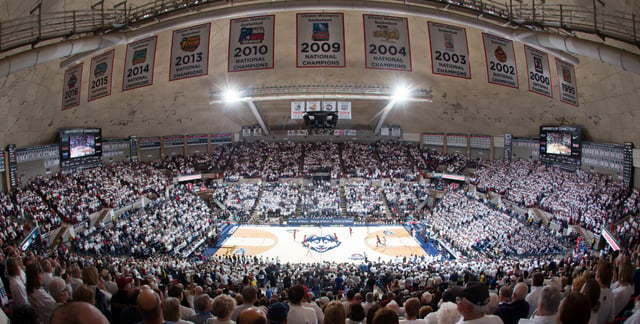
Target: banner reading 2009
x: 190, y: 52
x: 387, y: 43
x: 251, y: 43
x: 449, y: 50
x: 139, y: 63
x: 320, y: 40
x: 71, y: 87
x: 539, y: 71
x: 501, y: 61
x: 100, y: 75
x: 567, y: 80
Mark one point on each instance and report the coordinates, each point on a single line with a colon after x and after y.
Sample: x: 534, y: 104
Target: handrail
x: 32, y: 29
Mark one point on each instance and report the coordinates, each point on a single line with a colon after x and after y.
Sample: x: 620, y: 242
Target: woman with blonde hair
x: 334, y: 313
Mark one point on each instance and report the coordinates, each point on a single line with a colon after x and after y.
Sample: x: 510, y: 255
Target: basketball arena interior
x: 404, y: 149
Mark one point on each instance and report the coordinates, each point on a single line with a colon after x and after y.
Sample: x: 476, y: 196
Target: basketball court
x: 319, y: 244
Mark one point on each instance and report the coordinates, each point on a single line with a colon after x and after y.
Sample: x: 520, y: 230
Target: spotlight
x: 400, y: 93
x: 231, y: 95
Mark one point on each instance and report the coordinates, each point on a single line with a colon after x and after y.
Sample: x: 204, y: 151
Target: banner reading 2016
x: 449, y: 50
x: 386, y: 42
x: 251, y: 43
x: 71, y: 87
x: 539, y: 71
x: 501, y: 61
x: 100, y: 75
x: 320, y: 40
x: 190, y: 52
x: 139, y: 63
x: 567, y: 79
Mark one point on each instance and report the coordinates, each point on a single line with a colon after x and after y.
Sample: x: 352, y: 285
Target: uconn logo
x: 322, y: 244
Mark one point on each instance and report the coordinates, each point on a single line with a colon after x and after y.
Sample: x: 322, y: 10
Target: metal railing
x: 37, y: 27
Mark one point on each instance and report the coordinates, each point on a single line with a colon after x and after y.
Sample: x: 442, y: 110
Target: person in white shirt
x: 622, y: 289
x: 472, y: 305
x: 604, y: 275
x: 298, y: 313
x: 39, y: 298
x: 17, y: 283
x: 547, y: 308
x: 411, y: 308
x: 532, y: 297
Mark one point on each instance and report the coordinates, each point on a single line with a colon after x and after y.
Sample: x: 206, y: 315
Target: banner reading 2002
x: 320, y: 40
x: 139, y: 63
x: 501, y: 61
x: 251, y: 43
x: 539, y: 71
x: 449, y: 50
x: 387, y: 43
x: 100, y: 75
x: 190, y: 52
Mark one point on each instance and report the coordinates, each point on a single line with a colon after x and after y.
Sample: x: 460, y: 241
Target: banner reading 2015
x: 251, y: 43
x: 190, y: 52
x: 449, y: 50
x: 139, y: 63
x: 386, y: 42
x: 539, y: 71
x: 71, y: 87
x: 100, y: 75
x: 320, y: 40
x: 567, y: 80
x: 501, y: 61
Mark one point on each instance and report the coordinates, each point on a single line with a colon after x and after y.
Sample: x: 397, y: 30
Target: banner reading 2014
x: 567, y: 79
x: 449, y: 50
x: 501, y: 61
x: 139, y: 63
x: 320, y: 40
x: 71, y: 87
x: 100, y: 75
x: 386, y: 42
x: 539, y: 71
x: 190, y: 52
x: 251, y: 43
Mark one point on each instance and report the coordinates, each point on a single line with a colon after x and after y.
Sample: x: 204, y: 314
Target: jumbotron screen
x: 80, y: 146
x: 561, y: 145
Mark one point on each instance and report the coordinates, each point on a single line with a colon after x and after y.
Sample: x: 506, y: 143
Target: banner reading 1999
x: 501, y: 61
x: 190, y: 52
x: 539, y: 71
x: 449, y: 50
x: 320, y: 40
x: 251, y: 43
x: 386, y: 41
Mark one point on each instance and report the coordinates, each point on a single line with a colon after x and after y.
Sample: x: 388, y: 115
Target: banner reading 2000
x: 386, y: 40
x: 320, y: 40
x: 190, y: 52
x: 449, y: 50
x: 251, y: 43
x: 539, y: 71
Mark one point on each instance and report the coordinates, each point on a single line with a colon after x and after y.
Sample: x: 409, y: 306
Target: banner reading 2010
x: 139, y: 63
x: 449, y: 50
x: 100, y: 75
x: 251, y: 43
x: 539, y: 71
x: 320, y: 40
x: 190, y: 52
x: 386, y: 42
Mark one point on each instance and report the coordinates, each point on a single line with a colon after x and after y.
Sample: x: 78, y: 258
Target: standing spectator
x: 604, y: 275
x: 39, y: 298
x: 202, y: 305
x: 472, y: 304
x: 536, y: 286
x: 277, y: 313
x: 411, y: 308
x: 17, y: 282
x: 222, y: 308
x: 297, y: 312
x: 547, y: 308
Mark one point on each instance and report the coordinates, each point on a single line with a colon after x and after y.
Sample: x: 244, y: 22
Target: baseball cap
x: 477, y: 293
x: 278, y: 312
x: 450, y: 294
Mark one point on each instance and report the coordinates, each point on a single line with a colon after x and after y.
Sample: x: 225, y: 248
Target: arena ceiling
x: 608, y: 95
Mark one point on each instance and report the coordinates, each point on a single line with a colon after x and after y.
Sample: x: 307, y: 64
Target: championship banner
x: 190, y: 52
x: 313, y: 106
x: 297, y: 110
x: 386, y: 42
x: 139, y: 63
x: 329, y: 106
x: 567, y: 79
x: 344, y: 110
x: 501, y: 61
x: 100, y: 75
x: 71, y: 86
x: 251, y: 43
x: 449, y: 50
x: 539, y: 71
x: 320, y: 40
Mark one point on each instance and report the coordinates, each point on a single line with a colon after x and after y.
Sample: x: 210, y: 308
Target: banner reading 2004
x: 139, y: 63
x: 449, y: 50
x: 190, y: 52
x: 100, y: 75
x: 539, y: 71
x: 386, y: 40
x: 251, y: 43
x: 320, y: 40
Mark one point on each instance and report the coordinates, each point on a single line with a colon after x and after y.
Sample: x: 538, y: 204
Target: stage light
x: 231, y: 95
x: 400, y: 93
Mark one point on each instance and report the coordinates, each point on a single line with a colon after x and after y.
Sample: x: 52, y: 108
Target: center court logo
x: 322, y: 244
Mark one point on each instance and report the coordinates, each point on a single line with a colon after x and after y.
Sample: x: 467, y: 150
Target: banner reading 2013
x: 567, y: 79
x: 71, y: 87
x: 190, y: 52
x: 386, y: 42
x: 501, y: 61
x: 320, y: 40
x: 100, y: 75
x: 539, y: 71
x: 139, y: 63
x: 449, y: 50
x: 251, y: 43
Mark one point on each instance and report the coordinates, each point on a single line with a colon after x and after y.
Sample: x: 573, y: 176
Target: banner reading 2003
x: 449, y: 50
x: 190, y: 52
x: 251, y: 43
x: 539, y: 71
x: 100, y: 75
x: 386, y: 40
x: 320, y: 40
x: 139, y: 63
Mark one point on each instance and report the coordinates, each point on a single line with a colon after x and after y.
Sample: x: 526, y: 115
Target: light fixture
x: 231, y: 95
x: 400, y: 94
